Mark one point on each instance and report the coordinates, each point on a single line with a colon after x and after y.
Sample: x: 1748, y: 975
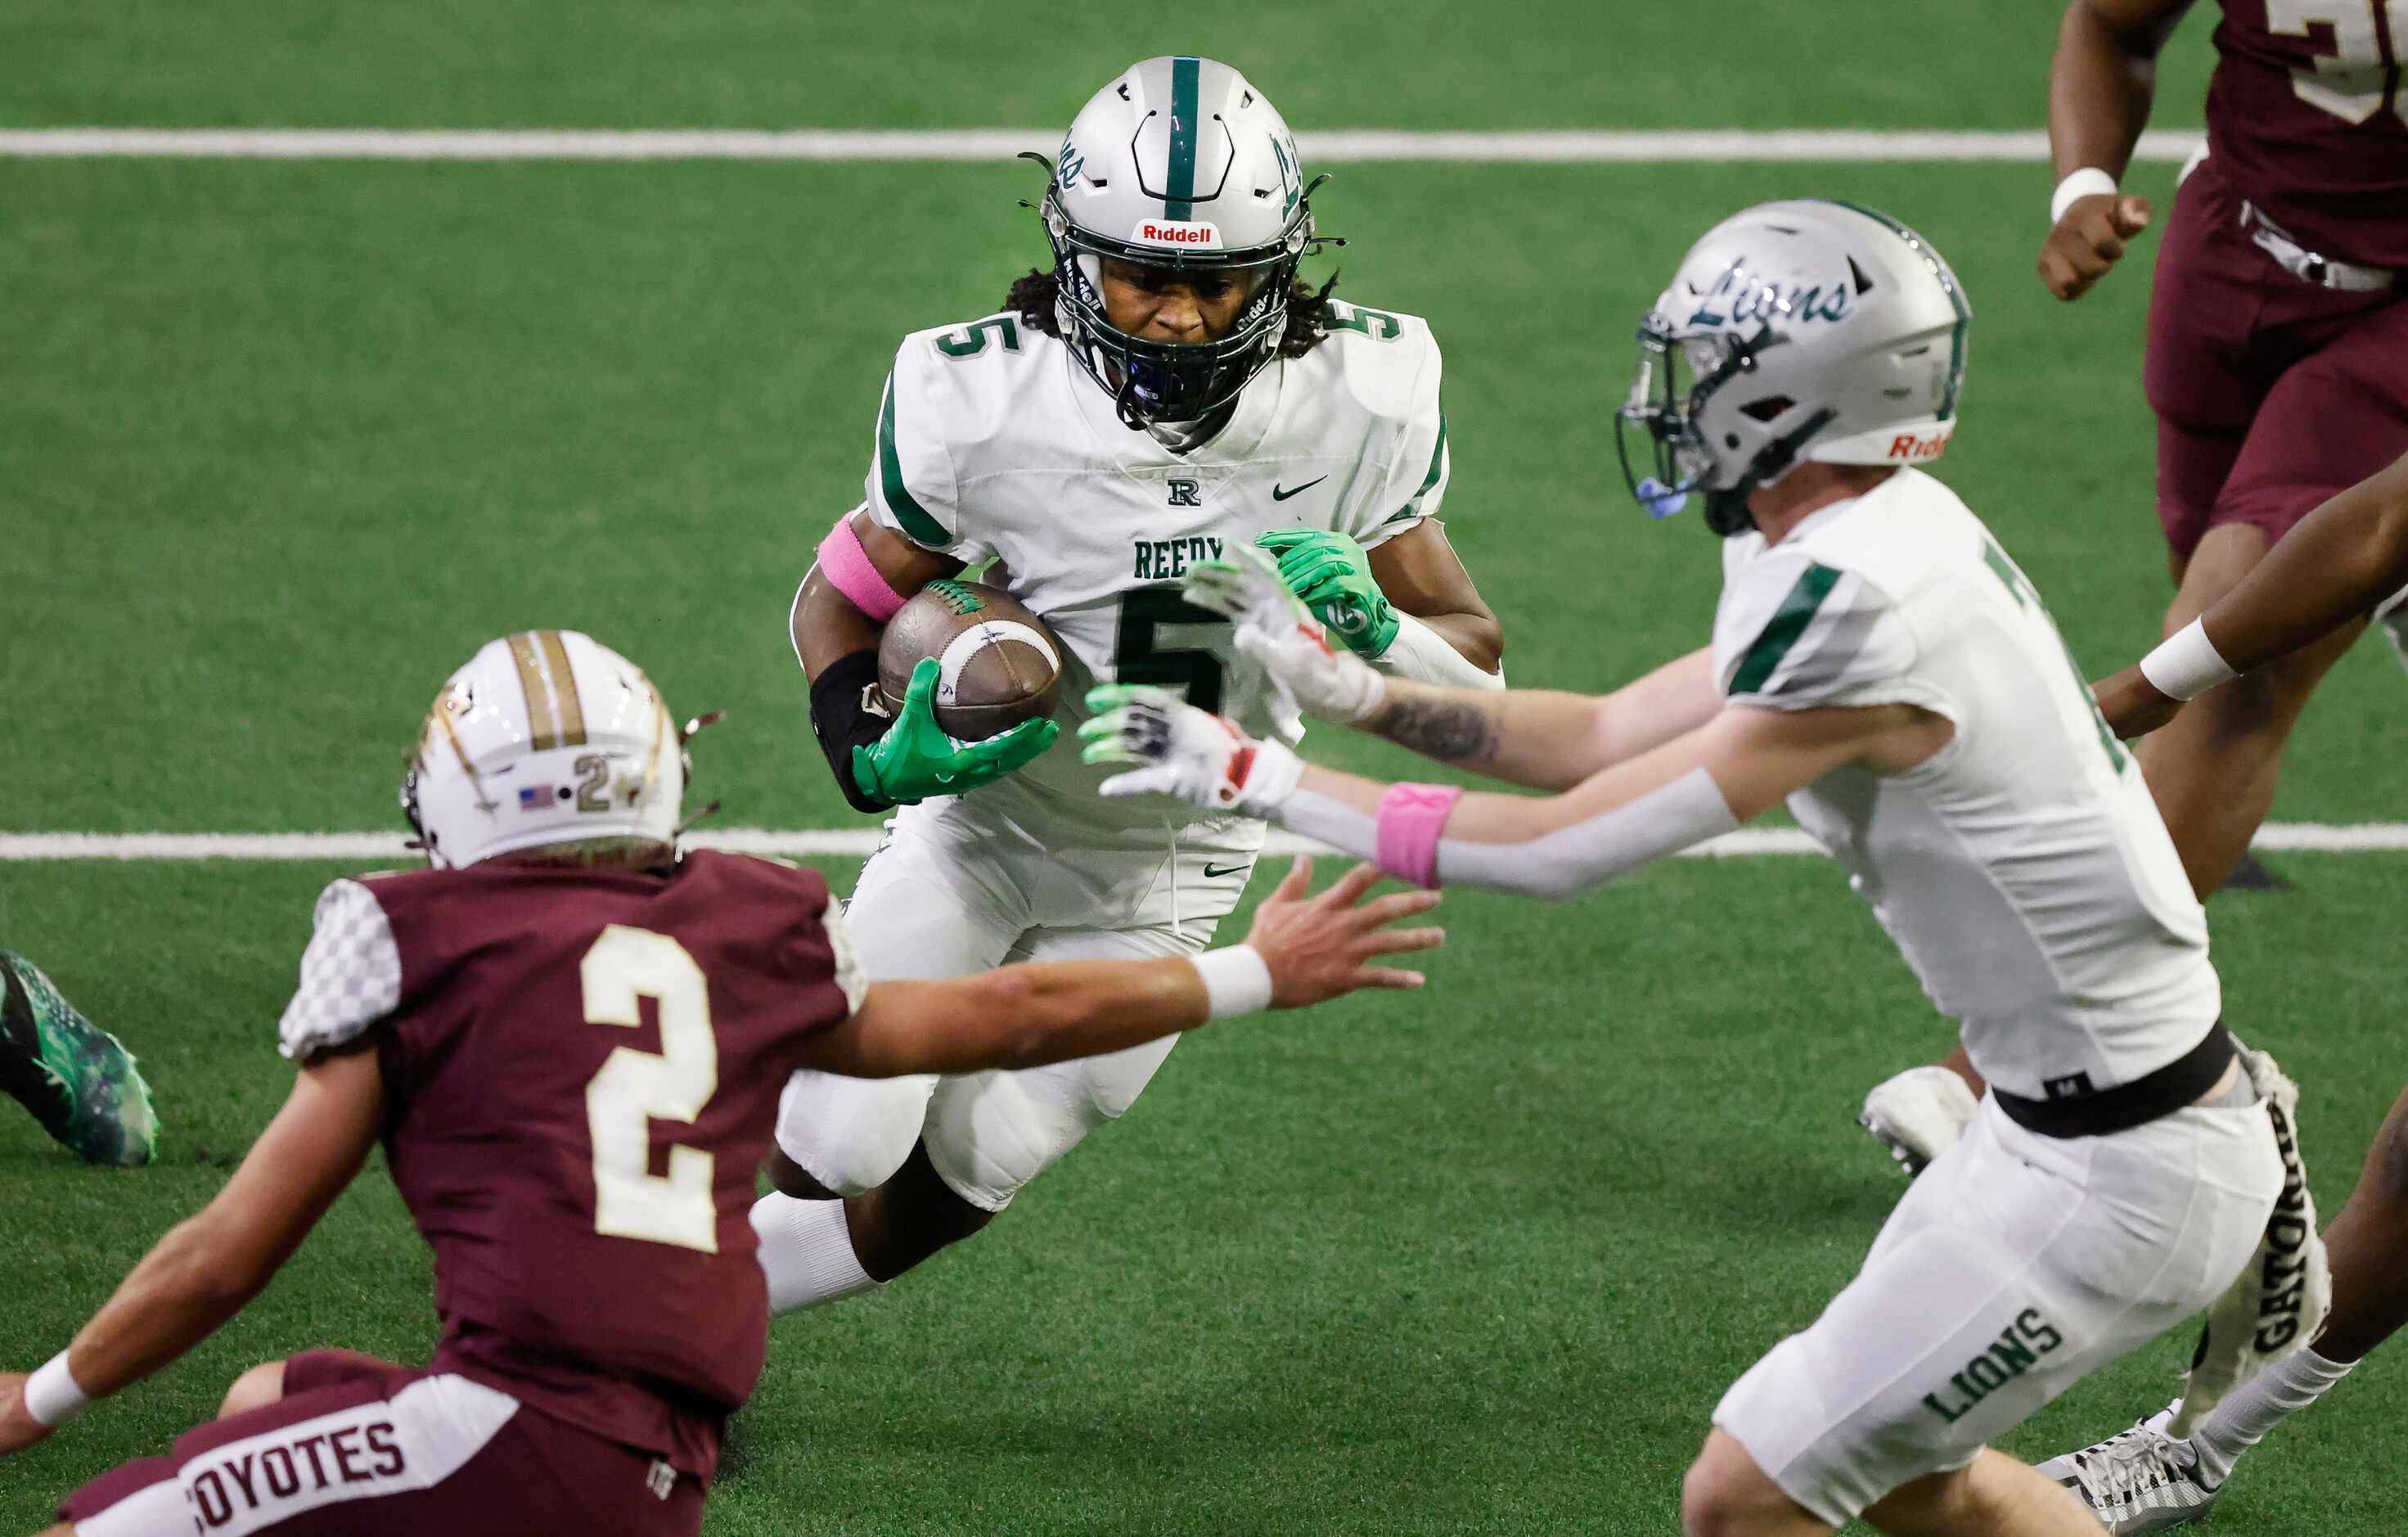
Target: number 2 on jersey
x: 637, y: 1088
x: 1136, y: 658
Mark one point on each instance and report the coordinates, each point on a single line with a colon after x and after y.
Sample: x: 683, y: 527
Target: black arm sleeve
x: 847, y: 713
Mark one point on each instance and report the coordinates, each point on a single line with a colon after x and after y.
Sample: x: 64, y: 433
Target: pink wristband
x: 1411, y: 817
x: 848, y: 565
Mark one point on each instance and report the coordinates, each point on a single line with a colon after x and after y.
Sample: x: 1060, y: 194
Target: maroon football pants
x: 2272, y: 394
x: 360, y: 1447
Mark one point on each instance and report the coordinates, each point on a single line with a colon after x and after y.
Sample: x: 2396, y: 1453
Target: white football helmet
x: 1793, y: 331
x: 544, y: 736
x: 1181, y: 164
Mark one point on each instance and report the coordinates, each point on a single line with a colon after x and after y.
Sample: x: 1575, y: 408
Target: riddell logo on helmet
x: 1156, y: 232
x: 1906, y: 447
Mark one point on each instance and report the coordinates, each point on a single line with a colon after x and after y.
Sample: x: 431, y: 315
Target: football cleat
x: 2254, y: 874
x: 2142, y: 1480
x: 78, y: 1080
x: 1918, y: 1116
x: 2392, y: 614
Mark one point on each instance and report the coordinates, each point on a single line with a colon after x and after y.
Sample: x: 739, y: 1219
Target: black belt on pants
x: 2100, y: 1113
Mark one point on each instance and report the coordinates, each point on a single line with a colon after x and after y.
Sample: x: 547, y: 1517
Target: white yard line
x: 1551, y: 146
x: 17, y: 848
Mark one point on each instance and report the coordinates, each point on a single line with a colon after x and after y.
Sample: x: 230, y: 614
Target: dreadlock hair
x: 1032, y: 298
x: 613, y: 853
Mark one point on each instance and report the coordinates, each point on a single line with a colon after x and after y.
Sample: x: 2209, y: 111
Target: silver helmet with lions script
x: 1182, y: 166
x: 1792, y: 331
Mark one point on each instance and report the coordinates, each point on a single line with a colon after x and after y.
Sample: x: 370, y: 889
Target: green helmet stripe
x: 1955, y: 299
x: 1178, y: 193
x: 1956, y: 355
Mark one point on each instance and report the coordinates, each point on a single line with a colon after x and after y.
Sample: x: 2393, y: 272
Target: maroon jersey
x: 2305, y: 115
x: 584, y: 1070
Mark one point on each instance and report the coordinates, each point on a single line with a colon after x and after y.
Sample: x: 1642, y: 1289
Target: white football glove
x: 1280, y: 634
x: 1198, y: 756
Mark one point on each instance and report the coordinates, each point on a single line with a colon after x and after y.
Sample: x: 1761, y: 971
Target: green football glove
x: 1332, y: 576
x: 916, y: 759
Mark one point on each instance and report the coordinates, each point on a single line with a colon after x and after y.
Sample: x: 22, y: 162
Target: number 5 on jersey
x: 635, y: 1088
x: 1137, y: 659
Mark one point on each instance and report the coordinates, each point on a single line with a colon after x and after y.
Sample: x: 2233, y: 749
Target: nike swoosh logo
x: 1281, y: 493
x: 1213, y: 872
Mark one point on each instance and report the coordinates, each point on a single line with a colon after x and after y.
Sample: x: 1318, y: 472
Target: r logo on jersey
x: 1187, y: 494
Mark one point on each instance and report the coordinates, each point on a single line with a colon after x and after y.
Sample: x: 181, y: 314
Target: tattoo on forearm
x: 1442, y: 728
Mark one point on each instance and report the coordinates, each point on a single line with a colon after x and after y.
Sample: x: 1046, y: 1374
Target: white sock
x: 806, y: 1252
x: 2259, y: 1405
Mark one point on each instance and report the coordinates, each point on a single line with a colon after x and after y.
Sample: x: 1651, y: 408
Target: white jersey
x: 993, y: 444
x: 2023, y: 871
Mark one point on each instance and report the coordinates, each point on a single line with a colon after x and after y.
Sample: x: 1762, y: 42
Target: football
x: 1000, y: 665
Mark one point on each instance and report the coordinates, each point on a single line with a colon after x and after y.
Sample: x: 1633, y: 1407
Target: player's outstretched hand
x: 1279, y: 632
x: 2088, y: 240
x: 916, y: 759
x: 2132, y: 705
x: 20, y: 1429
x: 1178, y: 749
x: 1320, y: 947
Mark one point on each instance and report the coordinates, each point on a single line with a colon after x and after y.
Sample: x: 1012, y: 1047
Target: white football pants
x: 947, y: 897
x: 2015, y: 1266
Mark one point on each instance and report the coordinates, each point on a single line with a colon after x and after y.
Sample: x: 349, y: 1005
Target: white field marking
x: 2279, y: 837
x: 1550, y: 147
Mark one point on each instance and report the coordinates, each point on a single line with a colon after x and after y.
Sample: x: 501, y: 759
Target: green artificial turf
x: 922, y: 64
x: 287, y: 442
x: 1479, y: 1259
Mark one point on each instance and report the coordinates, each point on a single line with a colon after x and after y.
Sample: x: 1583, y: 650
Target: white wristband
x: 51, y: 1395
x: 2186, y: 664
x: 2089, y: 181
x: 1236, y: 980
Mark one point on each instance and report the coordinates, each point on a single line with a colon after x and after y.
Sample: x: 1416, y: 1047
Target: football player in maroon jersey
x: 572, y: 1042
x: 2278, y: 326
x: 2341, y: 559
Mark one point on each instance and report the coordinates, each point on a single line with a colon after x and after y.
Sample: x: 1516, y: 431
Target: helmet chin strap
x: 419, y: 838
x: 1200, y: 429
x: 1125, y: 403
x: 1727, y: 511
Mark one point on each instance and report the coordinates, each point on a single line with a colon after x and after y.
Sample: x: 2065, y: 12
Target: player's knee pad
x: 990, y: 1134
x: 851, y: 1134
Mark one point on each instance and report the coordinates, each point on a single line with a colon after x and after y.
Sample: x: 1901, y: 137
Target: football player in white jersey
x: 1879, y: 663
x: 1168, y: 393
